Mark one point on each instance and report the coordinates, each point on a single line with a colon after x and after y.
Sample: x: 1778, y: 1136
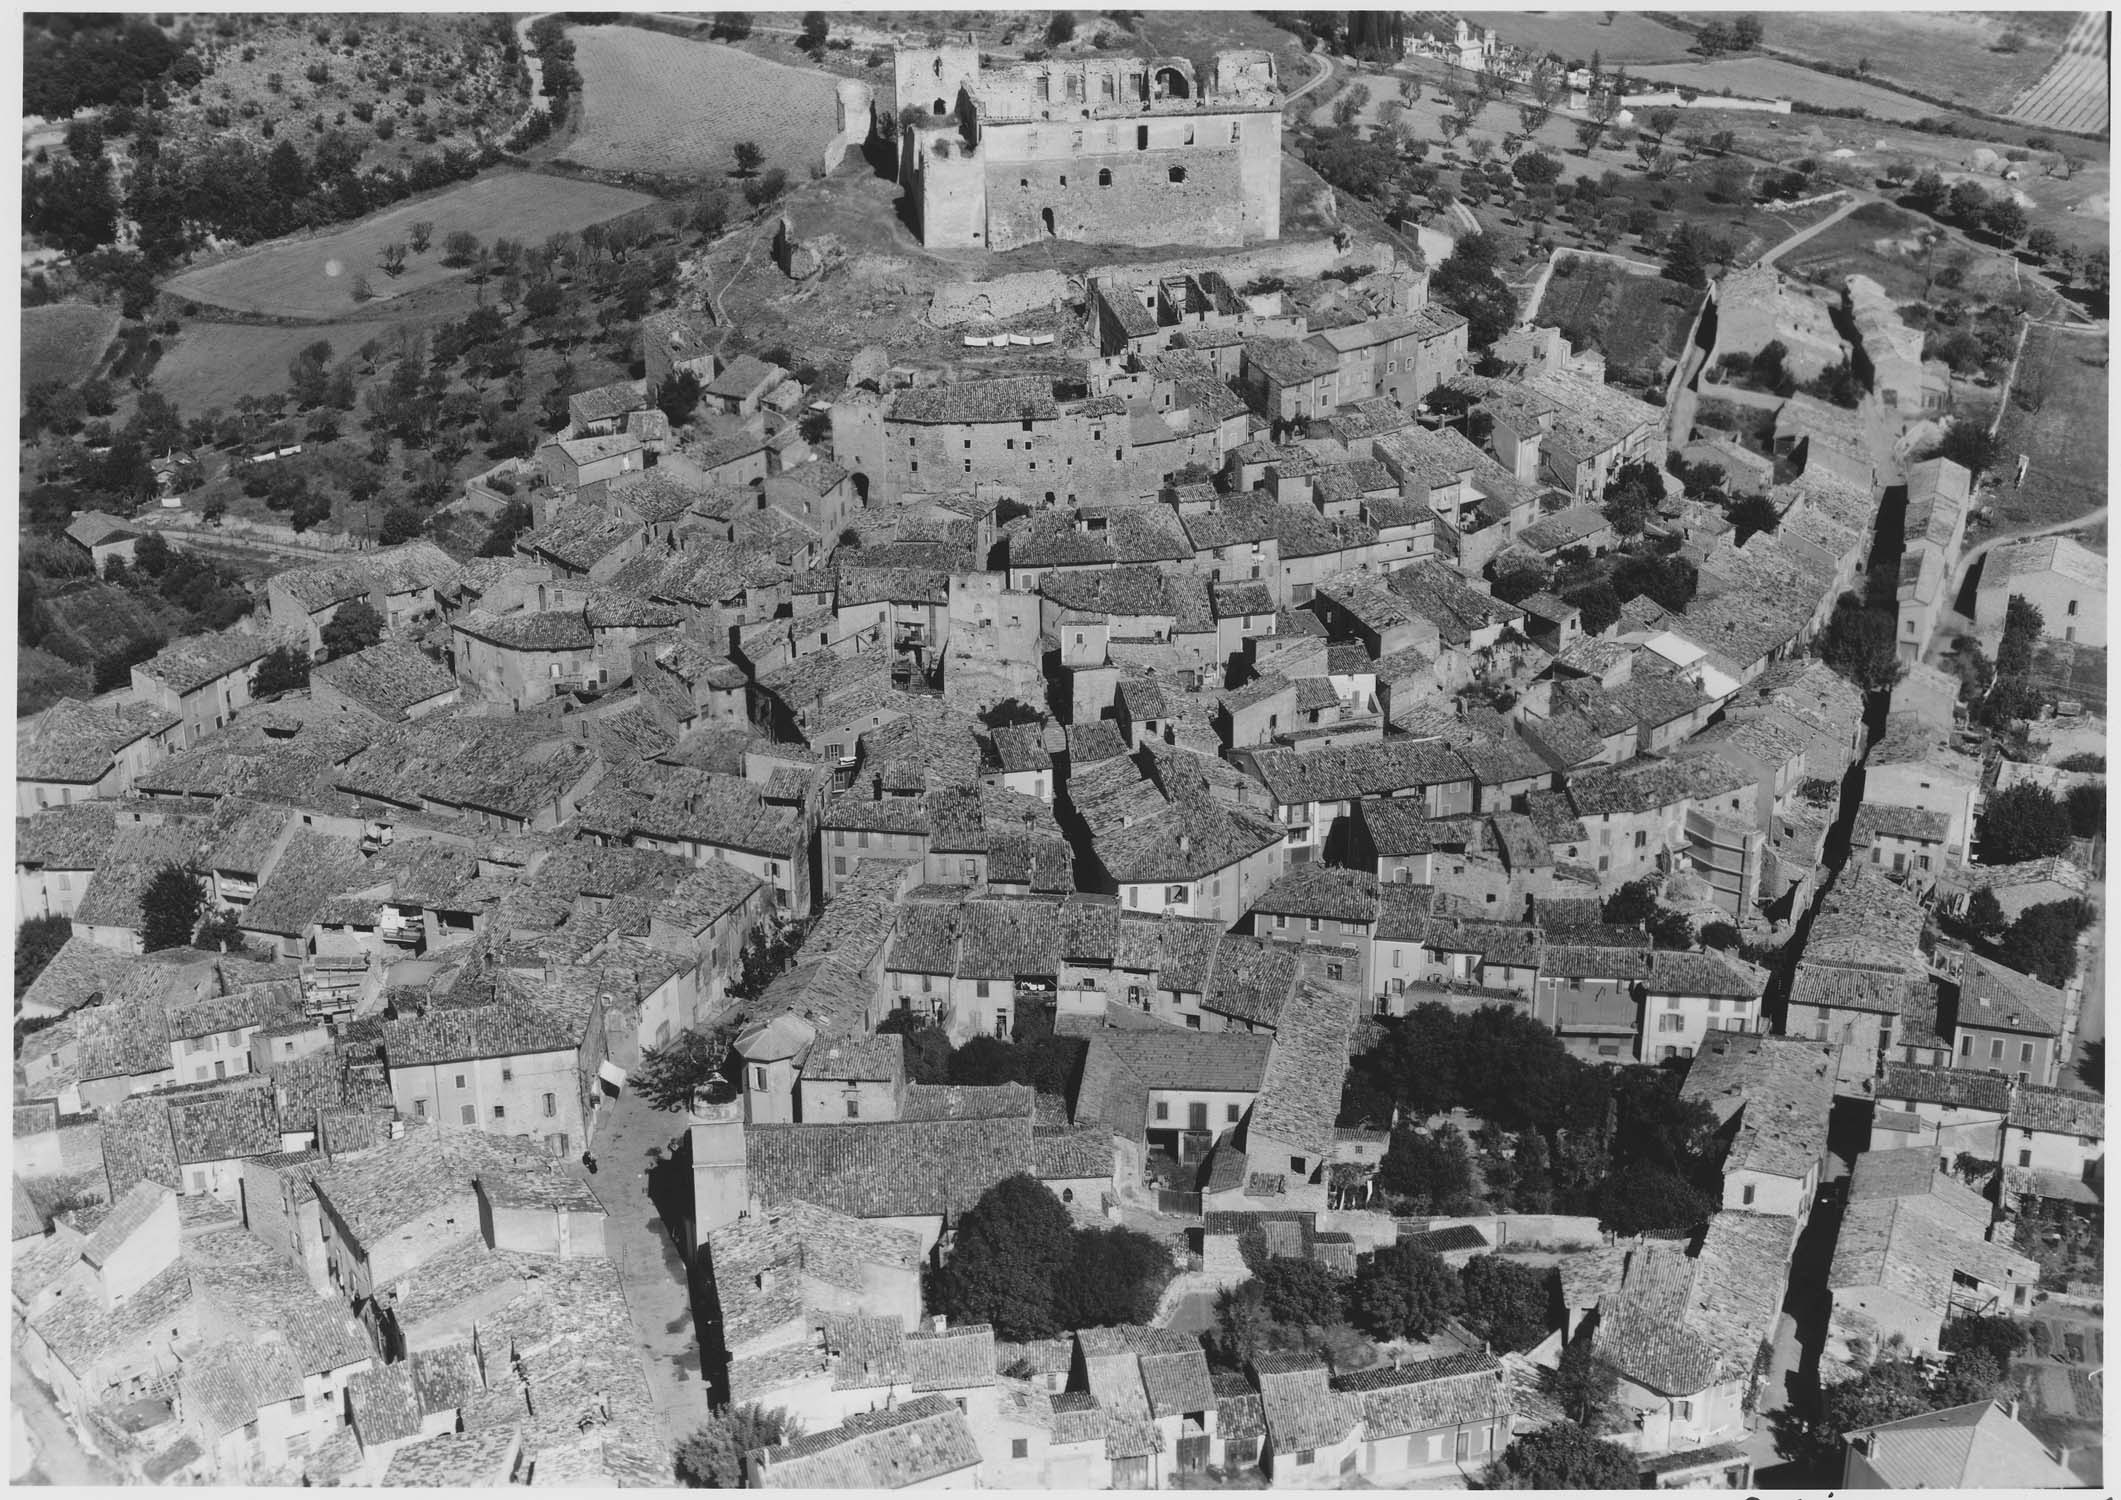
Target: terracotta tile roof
x: 1300, y: 1094
x: 957, y: 1358
x: 1008, y: 399
x: 224, y: 1124
x: 453, y: 1459
x: 883, y: 1169
x: 1177, y: 1380
x: 1253, y: 979
x: 1457, y: 1390
x: 2058, y: 1111
x: 190, y: 664
x: 1994, y: 998
x: 383, y: 1404
x: 1960, y: 1087
x: 415, y: 565
x: 1212, y: 1062
x: 1781, y: 1088
x: 1323, y: 891
x: 77, y: 836
x: 1302, y: 1411
x: 1345, y: 773
x: 917, y: 1441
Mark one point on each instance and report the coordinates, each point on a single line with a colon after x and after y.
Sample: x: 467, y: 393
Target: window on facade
x: 1163, y: 1111
x: 2025, y: 1052
x: 500, y: 1112
x: 1021, y: 1447
x: 1310, y: 1455
x: 470, y: 1115
x: 1141, y: 137
x: 1749, y: 1193
x: 1334, y: 971
x: 1995, y: 1050
x: 419, y: 1108
x: 1178, y: 174
x: 460, y: 1080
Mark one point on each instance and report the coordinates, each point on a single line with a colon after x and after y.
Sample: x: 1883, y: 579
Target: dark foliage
x: 37, y: 943
x: 169, y: 908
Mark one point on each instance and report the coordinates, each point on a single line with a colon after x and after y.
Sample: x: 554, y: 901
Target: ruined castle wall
x: 1118, y: 198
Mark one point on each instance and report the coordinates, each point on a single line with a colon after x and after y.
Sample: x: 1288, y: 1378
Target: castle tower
x: 930, y: 78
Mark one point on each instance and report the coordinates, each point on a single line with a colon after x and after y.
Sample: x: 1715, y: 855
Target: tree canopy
x: 1403, y: 1291
x: 1468, y: 282
x: 1012, y: 1248
x: 1509, y: 1304
x: 170, y: 907
x: 2024, y: 822
x: 1562, y: 1456
x: 668, y: 1077
x: 712, y: 1458
x: 1434, y: 1171
x: 352, y: 627
x: 1023, y: 1265
x: 1862, y: 644
x: 37, y: 943
x: 2042, y: 942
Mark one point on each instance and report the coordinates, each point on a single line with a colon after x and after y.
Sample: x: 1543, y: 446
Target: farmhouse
x: 2062, y: 578
x: 103, y: 536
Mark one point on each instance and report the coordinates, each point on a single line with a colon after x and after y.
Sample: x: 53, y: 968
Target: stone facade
x: 1109, y: 150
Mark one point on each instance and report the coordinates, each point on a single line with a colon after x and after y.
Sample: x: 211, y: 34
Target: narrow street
x: 60, y: 1457
x: 652, y: 1265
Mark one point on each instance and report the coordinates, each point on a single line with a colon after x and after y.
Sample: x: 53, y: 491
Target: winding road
x: 1987, y: 545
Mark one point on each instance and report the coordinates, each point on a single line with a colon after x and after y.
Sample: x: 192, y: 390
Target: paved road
x: 651, y: 1267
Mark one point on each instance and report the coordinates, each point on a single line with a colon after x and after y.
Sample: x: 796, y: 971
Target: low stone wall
x: 1505, y: 1230
x: 236, y: 528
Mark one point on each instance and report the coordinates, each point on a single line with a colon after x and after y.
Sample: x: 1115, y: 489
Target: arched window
x: 940, y: 108
x: 1104, y: 177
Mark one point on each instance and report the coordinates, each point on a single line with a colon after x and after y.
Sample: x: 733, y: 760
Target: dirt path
x: 1767, y: 256
x: 1325, y: 71
x: 1987, y: 545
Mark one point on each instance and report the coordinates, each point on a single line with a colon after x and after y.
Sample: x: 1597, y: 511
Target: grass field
x: 1770, y: 78
x: 1878, y: 241
x: 2065, y: 374
x: 1948, y: 54
x: 314, y: 277
x: 215, y: 364
x: 1629, y: 39
x: 62, y: 341
x: 656, y: 103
